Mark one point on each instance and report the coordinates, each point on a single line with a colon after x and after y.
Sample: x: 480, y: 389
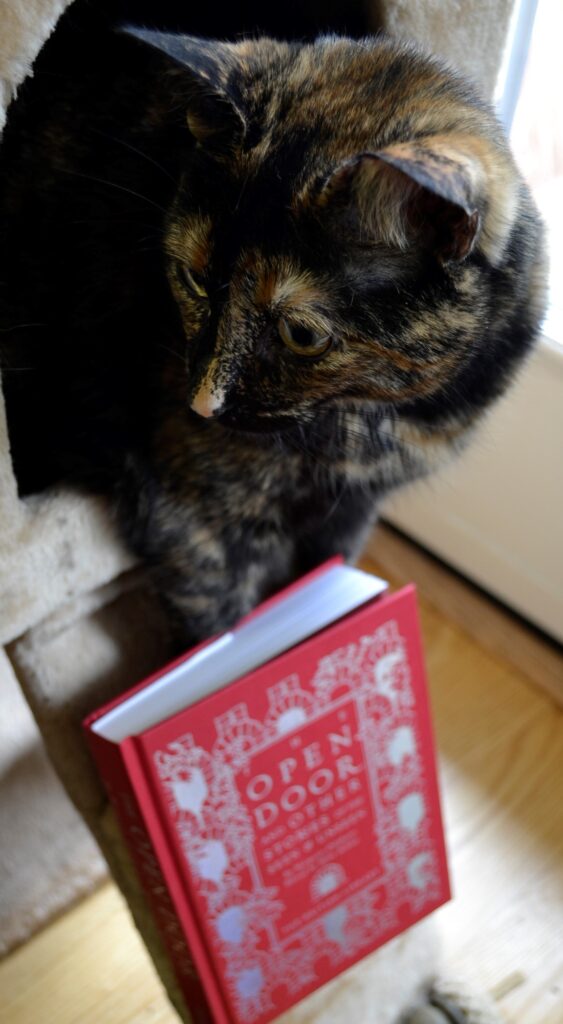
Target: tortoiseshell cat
x: 247, y: 288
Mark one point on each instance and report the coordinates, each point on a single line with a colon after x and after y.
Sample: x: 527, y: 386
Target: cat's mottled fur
x: 248, y: 288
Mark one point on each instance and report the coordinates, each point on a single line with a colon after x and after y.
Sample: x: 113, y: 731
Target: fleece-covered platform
x: 78, y: 625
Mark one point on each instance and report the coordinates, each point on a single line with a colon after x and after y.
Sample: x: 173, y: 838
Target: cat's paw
x: 426, y: 1015
x: 452, y: 1002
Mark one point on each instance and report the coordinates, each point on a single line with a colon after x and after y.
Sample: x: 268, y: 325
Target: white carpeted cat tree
x: 77, y: 626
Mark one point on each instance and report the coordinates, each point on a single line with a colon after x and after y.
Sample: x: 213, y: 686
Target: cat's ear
x: 214, y: 118
x: 427, y: 191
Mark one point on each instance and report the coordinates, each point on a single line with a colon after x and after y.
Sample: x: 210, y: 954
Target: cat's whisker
x: 145, y: 249
x: 388, y: 436
x: 116, y: 185
x: 309, y: 454
x: 177, y: 355
x: 85, y: 221
x: 344, y: 487
x: 19, y: 327
x: 134, y: 149
x: 241, y: 194
x: 398, y: 444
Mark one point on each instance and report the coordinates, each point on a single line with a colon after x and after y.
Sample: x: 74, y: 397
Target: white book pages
x: 317, y: 604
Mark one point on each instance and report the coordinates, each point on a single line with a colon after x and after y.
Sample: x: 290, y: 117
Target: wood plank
x: 88, y: 967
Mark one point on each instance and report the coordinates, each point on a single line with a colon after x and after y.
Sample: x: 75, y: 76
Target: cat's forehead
x: 233, y: 206
x: 276, y: 274
x: 330, y: 97
x: 257, y: 275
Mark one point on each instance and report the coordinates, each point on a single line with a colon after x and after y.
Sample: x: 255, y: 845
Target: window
x: 530, y: 102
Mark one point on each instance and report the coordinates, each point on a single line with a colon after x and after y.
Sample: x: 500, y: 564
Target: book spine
x: 177, y: 879
x: 122, y: 776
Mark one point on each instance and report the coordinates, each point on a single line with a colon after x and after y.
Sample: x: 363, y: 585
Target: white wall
x: 497, y: 514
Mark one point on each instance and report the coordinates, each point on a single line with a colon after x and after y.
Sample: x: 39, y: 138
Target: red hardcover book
x: 285, y: 818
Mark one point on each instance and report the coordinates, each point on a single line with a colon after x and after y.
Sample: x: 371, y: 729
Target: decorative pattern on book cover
x: 301, y: 805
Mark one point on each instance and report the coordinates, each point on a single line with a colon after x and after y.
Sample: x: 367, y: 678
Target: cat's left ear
x: 214, y: 118
x: 429, y: 191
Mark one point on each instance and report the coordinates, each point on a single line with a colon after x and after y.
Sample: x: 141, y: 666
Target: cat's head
x: 339, y: 207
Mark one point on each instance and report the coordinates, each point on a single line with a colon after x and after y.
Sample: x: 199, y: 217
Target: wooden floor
x: 501, y: 752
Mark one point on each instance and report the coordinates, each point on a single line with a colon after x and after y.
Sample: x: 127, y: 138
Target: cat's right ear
x: 214, y: 118
x: 429, y: 192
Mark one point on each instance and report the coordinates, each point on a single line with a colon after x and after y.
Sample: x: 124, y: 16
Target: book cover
x: 294, y: 815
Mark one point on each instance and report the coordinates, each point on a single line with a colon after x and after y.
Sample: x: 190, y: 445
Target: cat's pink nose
x: 207, y: 402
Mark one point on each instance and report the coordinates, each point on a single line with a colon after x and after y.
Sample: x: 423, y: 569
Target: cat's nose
x: 209, y: 400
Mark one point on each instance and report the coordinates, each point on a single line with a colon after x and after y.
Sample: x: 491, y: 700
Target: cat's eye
x: 194, y: 281
x: 303, y: 341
